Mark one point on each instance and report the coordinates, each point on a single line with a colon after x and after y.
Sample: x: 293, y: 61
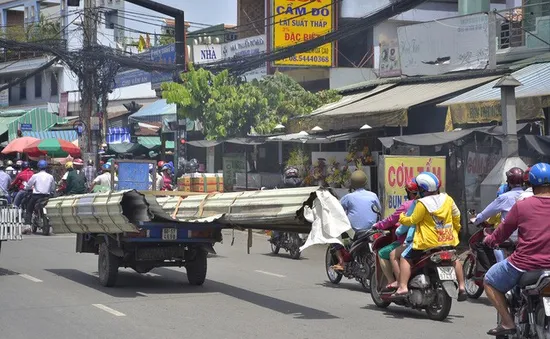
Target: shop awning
x: 69, y: 135
x: 153, y: 142
x: 5, y: 122
x: 441, y: 138
x: 539, y: 143
x: 389, y: 107
x: 39, y: 119
x: 482, y: 105
x: 128, y: 147
x: 156, y: 111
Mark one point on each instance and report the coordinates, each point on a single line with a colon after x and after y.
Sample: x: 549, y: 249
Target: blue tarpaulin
x: 155, y: 112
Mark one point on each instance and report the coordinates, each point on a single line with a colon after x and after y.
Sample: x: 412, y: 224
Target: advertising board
x: 299, y: 21
x: 396, y: 170
x: 247, y: 47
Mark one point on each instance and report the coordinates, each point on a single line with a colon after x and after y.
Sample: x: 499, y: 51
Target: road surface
x: 48, y: 291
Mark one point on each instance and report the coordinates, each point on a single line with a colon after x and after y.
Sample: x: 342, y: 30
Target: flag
x: 147, y: 41
x: 141, y: 44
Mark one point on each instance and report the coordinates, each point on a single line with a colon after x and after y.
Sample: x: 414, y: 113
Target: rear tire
x: 375, y: 295
x: 275, y: 248
x: 472, y: 289
x: 330, y: 259
x: 196, y: 269
x: 542, y: 323
x: 295, y: 253
x: 444, y: 302
x: 107, y: 266
x: 45, y: 225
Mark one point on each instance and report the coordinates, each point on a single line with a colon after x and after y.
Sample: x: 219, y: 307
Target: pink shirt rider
x: 393, y: 219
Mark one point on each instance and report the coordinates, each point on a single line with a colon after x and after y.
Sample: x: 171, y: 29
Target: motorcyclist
x: 528, y: 192
x: 20, y: 181
x: 166, y: 178
x: 4, y: 183
x: 437, y: 220
x: 390, y: 254
x: 75, y: 181
x: 291, y: 179
x: 103, y: 181
x: 42, y: 185
x: 358, y: 206
x: 10, y: 170
x: 531, y: 218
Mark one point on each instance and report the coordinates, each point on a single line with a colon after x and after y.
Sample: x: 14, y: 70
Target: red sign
x: 63, y: 110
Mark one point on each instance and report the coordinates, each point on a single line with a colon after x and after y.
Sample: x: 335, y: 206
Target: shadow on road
x: 172, y: 282
x: 406, y: 313
x: 284, y: 255
x: 480, y: 301
x: 351, y: 285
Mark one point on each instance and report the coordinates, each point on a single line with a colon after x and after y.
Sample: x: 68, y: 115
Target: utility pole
x: 89, y: 101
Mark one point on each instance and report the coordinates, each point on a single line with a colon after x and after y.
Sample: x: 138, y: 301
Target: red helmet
x: 526, y: 175
x: 411, y: 186
x: 160, y: 163
x: 514, y: 177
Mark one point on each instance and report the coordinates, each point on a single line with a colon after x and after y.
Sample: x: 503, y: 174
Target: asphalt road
x: 49, y: 291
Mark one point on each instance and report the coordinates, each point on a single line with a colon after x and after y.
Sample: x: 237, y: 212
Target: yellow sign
x: 297, y: 21
x: 399, y: 169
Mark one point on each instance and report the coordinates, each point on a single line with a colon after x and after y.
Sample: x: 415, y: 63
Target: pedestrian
x: 90, y: 172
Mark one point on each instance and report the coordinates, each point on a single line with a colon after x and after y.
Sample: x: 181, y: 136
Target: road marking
x: 152, y: 274
x: 269, y: 273
x: 142, y: 294
x: 31, y: 278
x: 109, y: 310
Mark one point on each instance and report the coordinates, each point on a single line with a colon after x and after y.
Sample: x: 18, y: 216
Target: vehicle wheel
x: 45, y: 225
x: 441, y: 307
x: 473, y: 290
x: 366, y: 283
x: 275, y: 248
x: 34, y: 227
x: 295, y: 253
x: 107, y: 266
x: 375, y: 294
x: 196, y: 269
x: 542, y: 323
x: 330, y: 259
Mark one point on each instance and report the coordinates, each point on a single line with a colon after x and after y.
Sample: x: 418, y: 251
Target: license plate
x: 169, y: 234
x: 546, y: 302
x: 446, y: 273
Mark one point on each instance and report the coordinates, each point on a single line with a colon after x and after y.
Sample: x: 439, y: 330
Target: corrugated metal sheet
x: 267, y: 207
x: 68, y: 135
x: 40, y: 119
x: 155, y: 111
x: 405, y: 96
x: 5, y: 122
x: 535, y: 81
x: 151, y: 142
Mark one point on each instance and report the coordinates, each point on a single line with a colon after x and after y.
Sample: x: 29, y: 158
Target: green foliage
x: 166, y: 40
x: 229, y: 108
x: 42, y: 30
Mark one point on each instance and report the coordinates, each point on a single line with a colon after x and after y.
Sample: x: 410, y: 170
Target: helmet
x: 90, y: 162
x: 68, y: 165
x: 540, y: 175
x: 151, y: 167
x: 526, y: 176
x: 106, y: 167
x: 42, y: 164
x: 428, y: 182
x: 10, y: 163
x: 24, y: 164
x: 291, y: 172
x: 78, y: 162
x: 358, y: 179
x: 411, y: 186
x: 19, y: 162
x: 160, y: 164
x: 514, y: 177
x: 502, y: 189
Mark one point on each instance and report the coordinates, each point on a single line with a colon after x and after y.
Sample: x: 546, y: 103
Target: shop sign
x: 299, y: 21
x: 397, y: 170
x: 204, y: 54
x: 247, y: 47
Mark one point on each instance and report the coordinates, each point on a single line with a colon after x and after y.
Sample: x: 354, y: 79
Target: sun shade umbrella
x: 18, y: 145
x: 55, y: 148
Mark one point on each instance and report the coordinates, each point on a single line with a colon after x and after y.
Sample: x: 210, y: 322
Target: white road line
x: 142, y: 294
x: 109, y: 310
x: 152, y: 274
x: 269, y: 273
x: 31, y: 278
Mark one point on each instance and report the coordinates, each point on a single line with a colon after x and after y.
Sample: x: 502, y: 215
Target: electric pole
x: 89, y: 99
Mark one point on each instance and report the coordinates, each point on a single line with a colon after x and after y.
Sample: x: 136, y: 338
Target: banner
x: 478, y: 166
x: 398, y: 169
x: 299, y: 21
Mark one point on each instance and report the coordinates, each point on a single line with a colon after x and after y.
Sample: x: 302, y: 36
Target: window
x: 38, y: 86
x: 54, y: 89
x: 23, y: 91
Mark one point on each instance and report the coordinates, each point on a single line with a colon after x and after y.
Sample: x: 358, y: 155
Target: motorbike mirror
x: 375, y: 209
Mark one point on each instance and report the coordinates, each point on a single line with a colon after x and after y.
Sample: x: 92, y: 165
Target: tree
x: 166, y: 40
x: 43, y: 30
x: 227, y: 107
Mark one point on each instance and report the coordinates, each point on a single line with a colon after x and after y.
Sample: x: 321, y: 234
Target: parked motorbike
x: 358, y: 258
x: 39, y: 218
x: 289, y: 241
x: 432, y: 284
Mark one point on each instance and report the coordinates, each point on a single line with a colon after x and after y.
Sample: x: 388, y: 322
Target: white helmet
x: 428, y: 182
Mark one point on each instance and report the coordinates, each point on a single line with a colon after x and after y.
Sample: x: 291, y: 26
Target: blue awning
x: 155, y: 112
x: 69, y: 135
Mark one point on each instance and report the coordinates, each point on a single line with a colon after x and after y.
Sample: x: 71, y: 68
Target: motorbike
x: 289, y: 241
x: 432, y: 285
x: 358, y: 258
x: 39, y: 218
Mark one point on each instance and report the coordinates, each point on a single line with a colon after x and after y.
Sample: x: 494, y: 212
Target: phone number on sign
x: 308, y: 58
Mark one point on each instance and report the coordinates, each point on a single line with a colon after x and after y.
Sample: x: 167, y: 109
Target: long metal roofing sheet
x: 405, y: 96
x: 535, y: 80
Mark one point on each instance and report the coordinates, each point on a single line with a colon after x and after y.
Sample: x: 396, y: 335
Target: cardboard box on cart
x: 201, y: 182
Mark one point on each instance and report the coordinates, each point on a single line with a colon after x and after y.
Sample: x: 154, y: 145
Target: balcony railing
x: 527, y: 26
